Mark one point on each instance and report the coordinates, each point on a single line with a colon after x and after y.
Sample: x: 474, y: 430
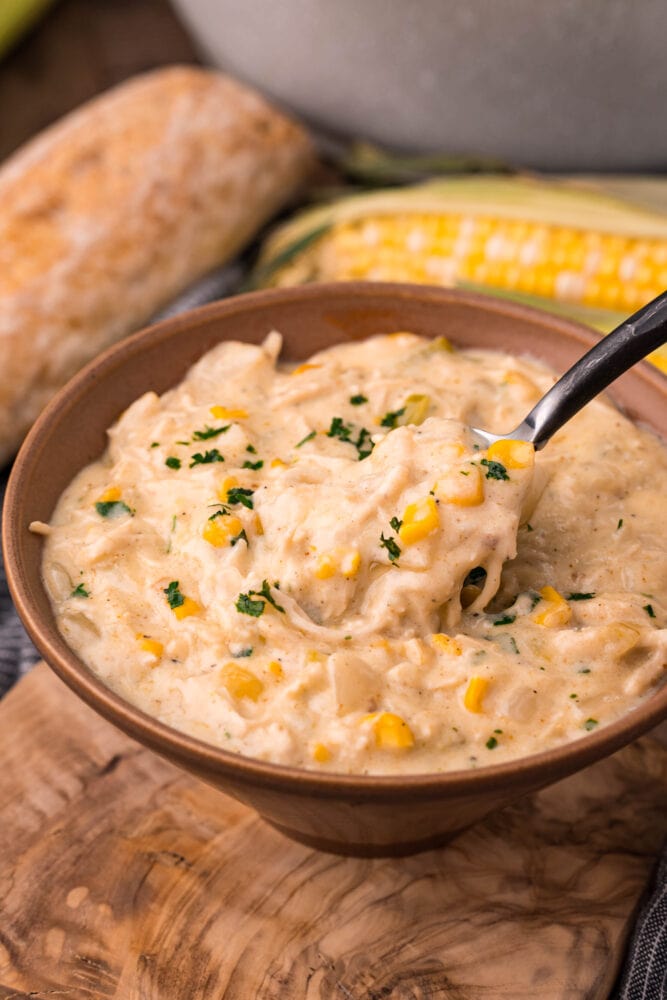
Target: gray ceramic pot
x: 570, y: 85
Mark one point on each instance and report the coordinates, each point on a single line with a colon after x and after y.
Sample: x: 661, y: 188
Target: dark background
x: 78, y: 49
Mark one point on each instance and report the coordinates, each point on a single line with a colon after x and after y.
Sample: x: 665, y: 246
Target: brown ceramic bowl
x: 348, y: 814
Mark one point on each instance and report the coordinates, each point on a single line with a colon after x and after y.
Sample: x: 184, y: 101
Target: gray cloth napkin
x: 644, y: 975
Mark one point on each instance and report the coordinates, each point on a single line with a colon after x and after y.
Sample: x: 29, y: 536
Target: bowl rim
x: 533, y: 770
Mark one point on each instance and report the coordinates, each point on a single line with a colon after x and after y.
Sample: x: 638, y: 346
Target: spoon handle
x: 636, y: 337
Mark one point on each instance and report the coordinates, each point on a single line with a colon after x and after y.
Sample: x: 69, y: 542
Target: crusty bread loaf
x: 112, y: 211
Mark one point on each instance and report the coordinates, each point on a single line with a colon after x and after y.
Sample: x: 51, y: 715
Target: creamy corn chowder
x: 320, y: 567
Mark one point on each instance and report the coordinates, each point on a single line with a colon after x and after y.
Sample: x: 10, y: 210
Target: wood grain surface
x: 80, y: 48
x: 123, y: 877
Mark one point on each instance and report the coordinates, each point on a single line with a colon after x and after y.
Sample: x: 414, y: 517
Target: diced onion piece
x: 462, y: 487
x: 415, y: 410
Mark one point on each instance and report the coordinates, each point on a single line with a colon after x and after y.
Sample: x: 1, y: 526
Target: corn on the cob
x: 554, y: 245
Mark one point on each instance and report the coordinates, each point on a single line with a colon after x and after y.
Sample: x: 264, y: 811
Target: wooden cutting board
x: 123, y: 877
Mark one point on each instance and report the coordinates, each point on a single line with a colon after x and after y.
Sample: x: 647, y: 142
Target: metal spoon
x: 642, y: 333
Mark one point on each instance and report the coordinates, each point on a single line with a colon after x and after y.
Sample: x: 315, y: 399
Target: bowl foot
x: 366, y: 850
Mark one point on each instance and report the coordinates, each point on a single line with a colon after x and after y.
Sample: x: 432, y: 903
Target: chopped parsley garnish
x: 80, y: 591
x: 184, y: 443
x: 390, y: 418
x: 491, y: 743
x: 253, y: 465
x: 475, y: 577
x: 207, y: 458
x: 237, y: 495
x: 584, y: 670
x: 580, y: 597
x: 574, y: 696
x: 648, y: 608
x: 251, y: 448
x: 514, y: 647
x: 223, y: 512
x: 339, y: 429
x: 590, y: 724
x: 112, y: 508
x: 396, y: 523
x: 246, y: 606
x: 535, y: 599
x: 174, y: 596
x: 505, y: 620
x: 342, y: 430
x: 243, y: 653
x: 308, y: 437
x: 390, y: 545
x: 363, y: 444
x: 494, y: 470
x: 155, y: 444
x: 620, y: 524
x: 209, y: 432
x: 237, y: 538
x: 358, y: 400
x: 172, y: 462
x: 266, y: 592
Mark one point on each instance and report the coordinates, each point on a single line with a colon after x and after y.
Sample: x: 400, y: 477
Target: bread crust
x: 118, y: 207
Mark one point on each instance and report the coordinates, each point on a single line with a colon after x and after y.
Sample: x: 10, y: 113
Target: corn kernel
x: 306, y: 367
x: 228, y: 483
x: 314, y: 656
x: 224, y: 413
x: 257, y: 523
x: 420, y: 519
x: 110, y: 496
x: 342, y: 560
x: 186, y: 609
x: 240, y: 682
x: 446, y: 644
x: 462, y: 487
x: 475, y: 692
x: 326, y: 567
x: 512, y: 454
x: 321, y: 753
x: 392, y: 732
x: 277, y: 463
x: 151, y: 646
x: 276, y: 670
x: 553, y: 610
x: 441, y: 344
x: 221, y: 530
x: 349, y: 562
